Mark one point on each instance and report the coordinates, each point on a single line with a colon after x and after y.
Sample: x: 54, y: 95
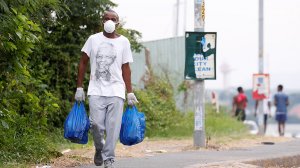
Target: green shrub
x: 158, y: 104
x: 24, y: 111
x: 164, y: 120
x: 39, y: 55
x: 23, y: 143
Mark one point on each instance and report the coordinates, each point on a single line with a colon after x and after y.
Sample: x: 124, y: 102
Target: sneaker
x: 109, y: 163
x: 98, y: 160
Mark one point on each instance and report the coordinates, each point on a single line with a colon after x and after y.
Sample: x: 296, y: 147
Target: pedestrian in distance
x: 263, y: 117
x: 239, y: 104
x: 281, y: 101
x: 109, y: 55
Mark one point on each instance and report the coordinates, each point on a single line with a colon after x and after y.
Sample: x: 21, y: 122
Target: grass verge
x: 220, y: 127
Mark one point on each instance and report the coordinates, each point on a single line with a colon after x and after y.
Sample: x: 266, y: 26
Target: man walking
x: 263, y: 118
x: 109, y: 54
x: 281, y: 102
x: 239, y: 104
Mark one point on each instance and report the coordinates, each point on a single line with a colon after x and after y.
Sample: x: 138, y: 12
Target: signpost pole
x: 199, y: 87
x: 261, y: 59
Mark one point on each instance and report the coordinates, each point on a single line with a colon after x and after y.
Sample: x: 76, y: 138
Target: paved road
x: 196, y: 158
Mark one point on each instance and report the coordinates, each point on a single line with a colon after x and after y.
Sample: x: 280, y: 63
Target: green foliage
x: 218, y: 126
x: 56, y: 136
x: 23, y: 116
x: 19, y: 32
x: 40, y: 42
x: 223, y: 125
x: 164, y: 120
x: 23, y: 143
x: 25, y: 104
x: 183, y: 87
x: 133, y: 36
x: 158, y: 104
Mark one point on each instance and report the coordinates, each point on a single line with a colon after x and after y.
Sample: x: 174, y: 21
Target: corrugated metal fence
x: 167, y: 57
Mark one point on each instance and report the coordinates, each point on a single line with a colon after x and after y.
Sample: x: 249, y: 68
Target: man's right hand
x: 79, y: 96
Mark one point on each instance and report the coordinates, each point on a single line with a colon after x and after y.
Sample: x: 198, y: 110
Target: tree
x: 40, y: 42
x: 23, y: 100
x: 59, y: 54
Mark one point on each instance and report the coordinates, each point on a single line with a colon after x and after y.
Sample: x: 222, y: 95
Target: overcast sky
x: 236, y: 22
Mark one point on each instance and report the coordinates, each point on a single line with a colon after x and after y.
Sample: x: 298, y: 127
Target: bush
x: 164, y: 120
x: 158, y: 104
x: 22, y: 143
x: 24, y: 112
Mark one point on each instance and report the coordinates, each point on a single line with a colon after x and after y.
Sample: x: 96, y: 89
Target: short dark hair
x: 239, y: 89
x: 110, y: 10
x: 280, y: 87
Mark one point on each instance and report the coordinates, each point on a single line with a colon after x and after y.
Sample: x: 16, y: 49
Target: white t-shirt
x: 265, y: 105
x: 106, y: 59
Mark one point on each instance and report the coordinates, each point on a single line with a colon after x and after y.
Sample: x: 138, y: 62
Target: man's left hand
x: 131, y: 99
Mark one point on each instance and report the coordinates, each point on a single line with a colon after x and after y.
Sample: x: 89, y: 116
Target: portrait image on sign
x: 200, y: 59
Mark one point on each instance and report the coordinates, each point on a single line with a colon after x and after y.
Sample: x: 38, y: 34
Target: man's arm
x: 81, y: 69
x: 126, y: 73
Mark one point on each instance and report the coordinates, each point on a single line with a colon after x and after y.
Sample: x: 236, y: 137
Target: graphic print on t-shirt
x: 105, y: 57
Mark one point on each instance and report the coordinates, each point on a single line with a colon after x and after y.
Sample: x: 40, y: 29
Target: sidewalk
x: 197, y: 159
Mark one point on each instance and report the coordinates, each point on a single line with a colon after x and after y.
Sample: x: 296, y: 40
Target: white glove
x: 131, y: 99
x: 79, y: 96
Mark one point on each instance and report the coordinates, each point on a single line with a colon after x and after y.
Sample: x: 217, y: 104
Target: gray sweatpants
x: 106, y: 117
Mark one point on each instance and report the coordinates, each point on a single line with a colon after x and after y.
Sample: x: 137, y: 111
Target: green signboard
x: 200, y: 55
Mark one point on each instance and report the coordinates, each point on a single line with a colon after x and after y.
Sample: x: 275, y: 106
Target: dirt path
x: 77, y: 157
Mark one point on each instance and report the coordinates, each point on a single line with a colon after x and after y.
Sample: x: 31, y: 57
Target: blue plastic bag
x: 77, y: 124
x: 132, y: 127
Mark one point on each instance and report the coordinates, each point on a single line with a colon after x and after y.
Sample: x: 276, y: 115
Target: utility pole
x: 199, y: 87
x: 184, y: 15
x: 177, y: 17
x: 261, y: 58
x: 261, y: 37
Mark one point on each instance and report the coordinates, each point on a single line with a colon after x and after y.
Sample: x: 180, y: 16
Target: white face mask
x: 109, y: 26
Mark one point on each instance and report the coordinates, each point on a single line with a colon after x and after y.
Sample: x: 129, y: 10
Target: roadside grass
x: 220, y: 127
x: 14, y: 165
x: 54, y: 139
x: 29, y: 146
x: 60, y: 143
